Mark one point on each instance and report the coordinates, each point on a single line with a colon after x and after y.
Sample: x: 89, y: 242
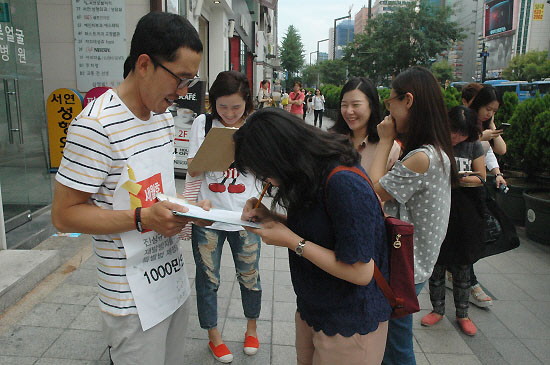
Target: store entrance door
x: 24, y: 175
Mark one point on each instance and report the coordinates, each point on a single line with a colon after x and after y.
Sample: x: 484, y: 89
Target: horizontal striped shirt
x: 99, y: 141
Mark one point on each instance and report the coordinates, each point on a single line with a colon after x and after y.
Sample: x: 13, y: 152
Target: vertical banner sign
x: 100, y: 42
x: 538, y: 12
x: 188, y: 107
x: 61, y: 107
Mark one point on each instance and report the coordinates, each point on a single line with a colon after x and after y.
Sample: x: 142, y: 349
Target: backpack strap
x: 378, y: 277
x: 208, y: 123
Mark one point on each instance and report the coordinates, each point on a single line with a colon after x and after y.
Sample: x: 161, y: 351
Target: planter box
x: 513, y: 203
x: 537, y: 215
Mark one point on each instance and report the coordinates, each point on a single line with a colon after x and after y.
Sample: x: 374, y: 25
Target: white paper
x: 216, y: 215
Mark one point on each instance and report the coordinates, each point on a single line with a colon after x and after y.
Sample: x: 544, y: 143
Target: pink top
x: 297, y: 108
x: 366, y: 149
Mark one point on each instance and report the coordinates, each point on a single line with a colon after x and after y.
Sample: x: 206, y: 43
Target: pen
x: 262, y: 195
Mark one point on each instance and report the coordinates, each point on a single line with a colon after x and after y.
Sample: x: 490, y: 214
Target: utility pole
x: 317, y: 59
x: 484, y: 54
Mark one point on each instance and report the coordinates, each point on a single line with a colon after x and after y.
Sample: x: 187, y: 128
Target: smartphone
x: 504, y: 125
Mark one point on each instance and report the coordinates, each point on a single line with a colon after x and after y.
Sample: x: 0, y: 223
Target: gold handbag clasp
x: 397, y: 243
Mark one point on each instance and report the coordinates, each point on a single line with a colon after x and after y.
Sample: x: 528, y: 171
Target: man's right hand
x: 159, y: 217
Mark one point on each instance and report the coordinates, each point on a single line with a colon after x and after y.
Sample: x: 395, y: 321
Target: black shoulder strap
x: 208, y: 124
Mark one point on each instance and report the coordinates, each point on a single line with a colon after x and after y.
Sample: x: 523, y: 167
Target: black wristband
x: 499, y: 174
x: 137, y: 218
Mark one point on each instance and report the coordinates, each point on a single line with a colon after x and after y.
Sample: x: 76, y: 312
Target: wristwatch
x: 499, y: 174
x: 300, y: 248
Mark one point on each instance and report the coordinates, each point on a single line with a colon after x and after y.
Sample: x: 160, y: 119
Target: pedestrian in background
x: 418, y: 187
x: 342, y: 315
x: 264, y: 100
x: 119, y: 154
x: 318, y: 104
x: 296, y: 100
x: 358, y: 118
x: 466, y: 230
x: 276, y: 93
x: 231, y: 102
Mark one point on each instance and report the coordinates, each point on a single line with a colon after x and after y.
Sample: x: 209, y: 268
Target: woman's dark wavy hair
x: 470, y: 91
x: 366, y: 87
x: 276, y: 144
x: 428, y: 119
x: 160, y: 35
x: 464, y: 121
x: 487, y: 94
x: 229, y: 83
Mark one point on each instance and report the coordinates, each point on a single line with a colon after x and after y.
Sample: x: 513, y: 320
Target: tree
x: 292, y: 51
x: 333, y: 72
x: 442, y: 71
x: 533, y: 65
x: 310, y: 74
x: 411, y: 35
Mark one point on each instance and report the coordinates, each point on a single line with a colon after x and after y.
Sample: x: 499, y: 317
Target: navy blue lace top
x: 352, y: 225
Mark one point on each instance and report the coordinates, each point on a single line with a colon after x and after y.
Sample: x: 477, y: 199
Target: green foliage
x: 518, y: 135
x: 507, y: 108
x: 392, y: 42
x: 452, y: 97
x: 533, y: 65
x: 292, y: 51
x: 310, y: 74
x: 538, y: 146
x: 383, y: 93
x: 332, y: 72
x: 442, y: 71
x: 332, y: 95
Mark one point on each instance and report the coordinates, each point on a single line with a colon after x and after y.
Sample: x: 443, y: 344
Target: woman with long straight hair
x: 418, y: 187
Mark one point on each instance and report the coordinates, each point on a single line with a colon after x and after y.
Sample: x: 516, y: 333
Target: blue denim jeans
x: 399, y: 345
x: 207, y: 249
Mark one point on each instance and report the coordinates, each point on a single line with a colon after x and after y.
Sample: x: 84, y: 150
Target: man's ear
x: 143, y: 64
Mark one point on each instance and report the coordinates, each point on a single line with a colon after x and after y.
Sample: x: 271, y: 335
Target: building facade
x: 77, y: 45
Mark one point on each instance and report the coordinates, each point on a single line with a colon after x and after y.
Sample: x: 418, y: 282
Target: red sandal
x: 251, y: 345
x: 221, y: 352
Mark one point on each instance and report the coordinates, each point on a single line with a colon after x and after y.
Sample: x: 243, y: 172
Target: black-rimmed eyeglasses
x: 182, y: 82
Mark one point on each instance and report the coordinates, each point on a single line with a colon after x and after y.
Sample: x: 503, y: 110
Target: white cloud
x: 313, y: 20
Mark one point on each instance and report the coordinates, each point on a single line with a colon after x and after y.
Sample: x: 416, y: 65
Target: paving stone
x: 72, y: 294
x: 78, y: 345
x: 197, y: 352
x: 282, y: 278
x: 534, y: 262
x: 281, y: 253
x: 234, y: 330
x: 17, y: 360
x: 89, y: 319
x: 539, y: 309
x: 266, y: 263
x: 52, y: 315
x: 283, y: 355
x: 421, y: 358
x: 284, y: 293
x: 51, y: 361
x: 266, y: 276
x: 502, y: 288
x: 537, y: 286
x: 267, y: 250
x: 424, y: 301
x: 442, y: 342
x: 449, y: 359
x: 28, y: 341
x: 539, y: 348
x: 282, y: 264
x: 484, y: 267
x: 83, y: 277
x: 284, y: 333
x: 514, y: 351
x: 522, y: 323
x: 284, y: 312
x: 190, y: 268
x: 504, y: 263
x: 196, y: 332
x: 227, y: 273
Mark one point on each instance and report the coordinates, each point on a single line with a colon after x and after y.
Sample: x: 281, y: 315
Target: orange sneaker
x: 431, y: 319
x: 251, y: 345
x: 467, y: 326
x: 221, y: 352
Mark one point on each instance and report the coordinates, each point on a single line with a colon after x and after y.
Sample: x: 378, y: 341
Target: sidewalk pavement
x: 59, y: 322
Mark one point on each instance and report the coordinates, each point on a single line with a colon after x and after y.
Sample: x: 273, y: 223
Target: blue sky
x: 313, y: 18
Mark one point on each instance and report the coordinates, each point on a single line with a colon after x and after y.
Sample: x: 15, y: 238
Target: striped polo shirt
x: 99, y: 141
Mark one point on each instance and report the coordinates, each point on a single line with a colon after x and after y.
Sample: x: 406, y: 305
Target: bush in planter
x: 452, y: 97
x: 538, y: 146
x: 518, y: 135
x: 507, y: 107
x: 332, y: 96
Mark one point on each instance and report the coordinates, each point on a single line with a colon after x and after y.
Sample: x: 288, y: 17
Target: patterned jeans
x: 461, y: 288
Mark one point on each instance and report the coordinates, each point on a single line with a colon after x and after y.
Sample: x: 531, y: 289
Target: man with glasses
x: 118, y: 157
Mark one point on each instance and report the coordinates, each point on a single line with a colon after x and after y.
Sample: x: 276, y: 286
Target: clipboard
x: 216, y: 152
x: 216, y: 215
